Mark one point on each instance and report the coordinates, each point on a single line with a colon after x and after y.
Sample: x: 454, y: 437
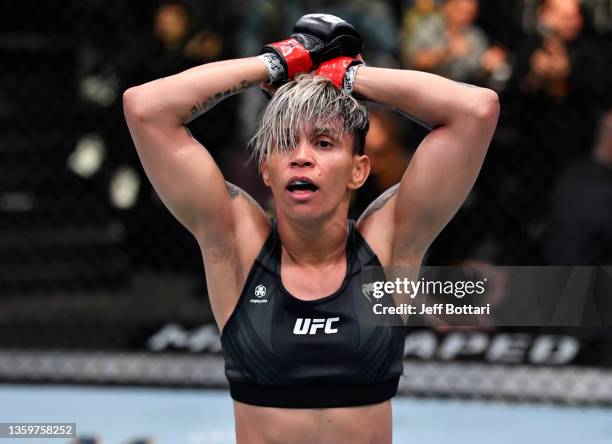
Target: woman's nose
x: 302, y: 154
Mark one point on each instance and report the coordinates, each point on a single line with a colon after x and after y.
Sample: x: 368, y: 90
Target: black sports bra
x: 281, y: 351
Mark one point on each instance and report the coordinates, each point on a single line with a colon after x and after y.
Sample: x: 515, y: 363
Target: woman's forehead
x: 328, y: 127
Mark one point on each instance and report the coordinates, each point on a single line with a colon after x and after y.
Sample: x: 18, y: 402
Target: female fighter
x: 303, y: 366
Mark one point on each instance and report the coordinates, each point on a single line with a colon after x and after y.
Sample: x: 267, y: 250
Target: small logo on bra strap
x: 260, y: 292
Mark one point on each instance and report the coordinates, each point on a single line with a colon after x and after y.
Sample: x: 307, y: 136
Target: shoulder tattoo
x: 232, y: 190
x: 379, y: 202
x: 235, y: 192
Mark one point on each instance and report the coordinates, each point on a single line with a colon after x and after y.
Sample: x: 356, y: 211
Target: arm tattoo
x: 380, y: 202
x: 235, y: 192
x: 200, y: 108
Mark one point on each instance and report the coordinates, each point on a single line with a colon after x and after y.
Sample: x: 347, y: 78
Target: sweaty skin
x: 231, y: 229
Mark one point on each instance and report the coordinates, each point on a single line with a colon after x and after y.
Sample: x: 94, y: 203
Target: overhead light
x: 124, y: 188
x: 99, y: 90
x: 87, y: 157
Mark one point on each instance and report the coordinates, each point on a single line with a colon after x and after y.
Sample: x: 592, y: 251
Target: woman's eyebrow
x: 326, y: 132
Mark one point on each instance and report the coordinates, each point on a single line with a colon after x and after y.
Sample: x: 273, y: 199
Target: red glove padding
x: 293, y: 54
x: 335, y: 69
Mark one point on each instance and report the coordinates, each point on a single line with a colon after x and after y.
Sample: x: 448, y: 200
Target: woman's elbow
x: 486, y: 106
x: 135, y: 106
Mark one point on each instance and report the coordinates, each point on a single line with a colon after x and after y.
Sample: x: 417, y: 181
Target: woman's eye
x: 324, y: 143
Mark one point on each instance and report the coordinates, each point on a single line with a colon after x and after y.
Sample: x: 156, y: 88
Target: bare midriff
x: 369, y: 424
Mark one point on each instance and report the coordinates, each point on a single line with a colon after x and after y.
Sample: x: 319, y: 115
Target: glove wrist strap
x: 349, y: 78
x: 296, y: 57
x: 341, y: 71
x: 276, y: 70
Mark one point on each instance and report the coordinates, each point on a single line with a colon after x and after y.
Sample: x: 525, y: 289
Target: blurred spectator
x: 449, y: 44
x: 389, y: 157
x: 559, y: 23
x: 177, y: 44
x: 560, y: 69
x: 558, y: 84
x: 580, y: 225
x: 413, y: 16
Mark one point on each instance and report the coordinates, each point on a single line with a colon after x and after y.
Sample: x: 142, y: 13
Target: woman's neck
x: 313, y: 244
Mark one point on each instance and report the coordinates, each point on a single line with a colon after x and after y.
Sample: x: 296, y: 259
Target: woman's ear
x: 360, y: 172
x: 265, y: 173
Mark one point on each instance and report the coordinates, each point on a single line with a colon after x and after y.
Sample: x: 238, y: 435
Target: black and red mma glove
x: 341, y: 71
x: 315, y: 38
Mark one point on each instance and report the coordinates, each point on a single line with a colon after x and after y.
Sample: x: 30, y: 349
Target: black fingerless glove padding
x: 337, y: 37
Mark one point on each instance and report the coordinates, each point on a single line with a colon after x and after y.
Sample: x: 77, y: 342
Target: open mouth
x: 301, y: 186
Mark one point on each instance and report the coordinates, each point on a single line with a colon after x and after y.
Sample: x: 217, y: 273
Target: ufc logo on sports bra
x: 308, y: 326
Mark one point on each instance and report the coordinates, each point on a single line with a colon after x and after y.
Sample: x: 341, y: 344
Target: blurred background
x: 100, y: 285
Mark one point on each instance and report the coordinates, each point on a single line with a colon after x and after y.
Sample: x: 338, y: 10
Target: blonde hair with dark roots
x: 313, y: 103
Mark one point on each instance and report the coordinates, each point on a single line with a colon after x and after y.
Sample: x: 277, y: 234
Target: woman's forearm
x: 182, y: 97
x: 429, y: 98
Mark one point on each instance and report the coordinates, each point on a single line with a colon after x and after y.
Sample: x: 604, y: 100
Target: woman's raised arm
x: 445, y: 165
x: 181, y: 170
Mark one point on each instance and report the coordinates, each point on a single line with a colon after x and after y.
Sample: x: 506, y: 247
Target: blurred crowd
x: 544, y: 195
x: 551, y: 71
